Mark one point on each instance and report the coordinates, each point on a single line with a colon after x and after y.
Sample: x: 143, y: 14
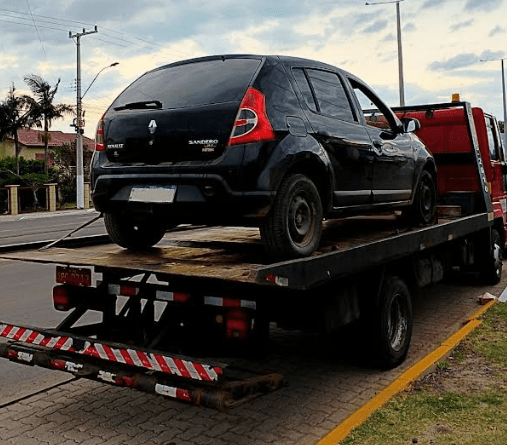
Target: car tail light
x: 252, y: 123
x: 99, y: 136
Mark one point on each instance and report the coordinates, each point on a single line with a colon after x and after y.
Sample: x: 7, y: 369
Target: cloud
x: 462, y: 25
x: 433, y: 3
x: 459, y: 61
x: 496, y: 30
x: 409, y: 27
x: 484, y: 5
x: 377, y: 26
x: 464, y: 60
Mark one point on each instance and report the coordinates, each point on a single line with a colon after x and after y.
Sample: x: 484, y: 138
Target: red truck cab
x: 450, y: 136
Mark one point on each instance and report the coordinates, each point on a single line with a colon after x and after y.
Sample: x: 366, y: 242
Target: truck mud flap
x: 188, y: 379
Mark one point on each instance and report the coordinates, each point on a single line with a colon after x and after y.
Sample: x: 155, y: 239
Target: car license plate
x: 73, y: 276
x: 152, y: 194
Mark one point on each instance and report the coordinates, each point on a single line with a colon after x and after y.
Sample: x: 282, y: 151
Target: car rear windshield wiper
x: 147, y: 104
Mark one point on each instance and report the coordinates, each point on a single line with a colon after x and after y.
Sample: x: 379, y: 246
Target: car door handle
x: 377, y: 143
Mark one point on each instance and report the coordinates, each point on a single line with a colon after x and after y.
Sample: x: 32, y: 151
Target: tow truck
x: 172, y: 320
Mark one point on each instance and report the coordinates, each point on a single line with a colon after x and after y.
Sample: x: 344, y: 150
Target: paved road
x: 33, y: 227
x: 326, y: 382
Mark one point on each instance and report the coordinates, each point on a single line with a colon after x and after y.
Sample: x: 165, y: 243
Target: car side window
x: 304, y: 87
x: 371, y: 106
x: 332, y: 100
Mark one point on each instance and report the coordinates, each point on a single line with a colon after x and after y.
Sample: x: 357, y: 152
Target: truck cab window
x: 492, y: 141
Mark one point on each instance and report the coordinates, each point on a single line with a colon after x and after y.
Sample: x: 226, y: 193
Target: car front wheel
x: 293, y: 227
x: 132, y: 233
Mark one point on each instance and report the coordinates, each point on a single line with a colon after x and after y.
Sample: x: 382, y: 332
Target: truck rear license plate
x: 160, y: 195
x: 73, y: 276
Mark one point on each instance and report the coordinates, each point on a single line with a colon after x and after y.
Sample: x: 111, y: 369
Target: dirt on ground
x: 465, y: 372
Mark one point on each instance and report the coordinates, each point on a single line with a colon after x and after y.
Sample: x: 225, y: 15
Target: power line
x: 37, y: 29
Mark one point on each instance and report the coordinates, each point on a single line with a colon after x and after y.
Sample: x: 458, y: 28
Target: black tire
x: 133, y: 234
x: 392, y: 323
x: 293, y: 227
x: 425, y: 200
x: 491, y: 268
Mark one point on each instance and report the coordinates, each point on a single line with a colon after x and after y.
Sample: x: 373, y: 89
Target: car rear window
x: 192, y: 84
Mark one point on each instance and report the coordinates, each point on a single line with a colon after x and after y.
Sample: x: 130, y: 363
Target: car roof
x: 285, y: 59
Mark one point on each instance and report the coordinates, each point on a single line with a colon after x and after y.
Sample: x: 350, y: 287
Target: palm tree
x: 43, y: 110
x: 14, y: 116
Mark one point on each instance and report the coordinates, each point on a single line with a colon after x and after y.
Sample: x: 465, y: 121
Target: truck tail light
x: 128, y: 291
x: 252, y: 122
x: 62, y: 299
x: 100, y: 144
x: 237, y: 324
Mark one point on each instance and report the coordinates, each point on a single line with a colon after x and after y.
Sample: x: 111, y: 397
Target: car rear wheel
x: 132, y: 233
x: 423, y: 208
x: 293, y: 227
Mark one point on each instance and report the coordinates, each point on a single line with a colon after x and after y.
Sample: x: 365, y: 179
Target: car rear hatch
x: 180, y: 112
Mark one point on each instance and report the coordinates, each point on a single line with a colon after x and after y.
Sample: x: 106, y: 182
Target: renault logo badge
x: 152, y: 127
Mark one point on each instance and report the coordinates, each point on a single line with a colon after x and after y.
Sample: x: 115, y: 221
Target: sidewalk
x: 36, y: 215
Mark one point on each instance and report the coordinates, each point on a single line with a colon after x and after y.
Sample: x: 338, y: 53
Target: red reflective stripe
x: 109, y: 352
x: 182, y: 368
x: 202, y: 372
x: 59, y: 344
x: 162, y: 363
x: 45, y: 341
x: 144, y: 359
x: 183, y: 394
x: 32, y: 337
x: 7, y: 331
x: 19, y: 334
x: 92, y: 350
x: 126, y: 357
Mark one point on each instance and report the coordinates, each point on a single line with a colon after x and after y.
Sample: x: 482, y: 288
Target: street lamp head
x: 114, y: 64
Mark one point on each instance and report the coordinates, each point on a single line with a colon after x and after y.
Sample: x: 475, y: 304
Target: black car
x: 273, y: 141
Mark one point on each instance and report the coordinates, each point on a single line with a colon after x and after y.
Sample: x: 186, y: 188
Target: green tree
x: 14, y: 116
x: 31, y: 173
x: 64, y: 162
x: 42, y: 109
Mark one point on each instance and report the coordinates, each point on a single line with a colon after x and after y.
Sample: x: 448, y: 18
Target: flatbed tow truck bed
x: 235, y: 255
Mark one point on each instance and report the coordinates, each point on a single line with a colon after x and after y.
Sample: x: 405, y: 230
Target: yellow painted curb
x: 359, y: 417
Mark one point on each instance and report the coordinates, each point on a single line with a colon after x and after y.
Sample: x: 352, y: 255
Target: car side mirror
x: 410, y: 125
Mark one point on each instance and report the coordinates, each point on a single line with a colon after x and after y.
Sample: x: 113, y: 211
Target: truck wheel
x: 294, y: 225
x: 423, y: 208
x: 392, y: 326
x: 491, y: 271
x: 133, y: 234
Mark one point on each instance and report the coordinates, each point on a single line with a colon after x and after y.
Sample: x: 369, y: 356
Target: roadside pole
x: 79, y: 113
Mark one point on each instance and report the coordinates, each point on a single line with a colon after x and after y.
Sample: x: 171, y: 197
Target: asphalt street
x: 40, y: 227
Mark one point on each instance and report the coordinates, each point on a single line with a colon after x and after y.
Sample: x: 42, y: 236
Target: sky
x: 449, y: 46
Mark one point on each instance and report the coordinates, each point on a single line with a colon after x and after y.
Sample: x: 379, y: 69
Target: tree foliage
x: 64, y: 161
x: 14, y: 115
x: 43, y: 110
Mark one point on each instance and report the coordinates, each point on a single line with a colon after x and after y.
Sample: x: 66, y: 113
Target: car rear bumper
x: 198, y: 198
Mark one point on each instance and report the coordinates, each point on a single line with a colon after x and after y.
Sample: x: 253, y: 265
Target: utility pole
x: 79, y: 112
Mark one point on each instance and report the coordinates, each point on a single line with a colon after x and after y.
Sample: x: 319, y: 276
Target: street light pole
x: 504, y: 110
x: 504, y: 103
x: 400, y: 52
x: 79, y: 136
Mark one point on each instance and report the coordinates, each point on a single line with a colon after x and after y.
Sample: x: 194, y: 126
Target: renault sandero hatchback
x: 271, y: 141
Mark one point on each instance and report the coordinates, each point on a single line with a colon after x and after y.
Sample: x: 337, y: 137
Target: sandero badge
x: 272, y: 141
